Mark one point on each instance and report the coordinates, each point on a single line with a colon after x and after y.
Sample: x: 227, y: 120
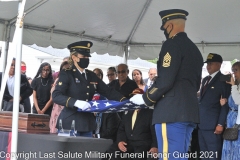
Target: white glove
x: 137, y: 99
x: 83, y: 105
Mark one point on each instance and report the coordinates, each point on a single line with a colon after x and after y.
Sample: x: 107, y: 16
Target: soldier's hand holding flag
x: 137, y: 98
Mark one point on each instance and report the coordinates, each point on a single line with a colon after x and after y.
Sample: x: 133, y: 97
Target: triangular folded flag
x: 110, y: 106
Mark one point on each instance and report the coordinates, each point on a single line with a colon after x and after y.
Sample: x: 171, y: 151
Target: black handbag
x: 231, y: 134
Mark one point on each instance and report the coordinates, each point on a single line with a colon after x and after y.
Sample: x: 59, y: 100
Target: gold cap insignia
x: 59, y: 83
x: 167, y: 60
x: 210, y: 56
x: 88, y: 45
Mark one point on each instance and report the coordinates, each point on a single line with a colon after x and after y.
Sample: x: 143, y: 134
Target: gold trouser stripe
x: 165, y: 141
x: 67, y: 102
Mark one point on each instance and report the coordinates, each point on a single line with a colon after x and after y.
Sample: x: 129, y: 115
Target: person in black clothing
x: 135, y: 135
x: 42, y: 84
x: 76, y: 86
x: 8, y: 96
x: 27, y: 104
x: 111, y: 74
x: 106, y: 123
x: 123, y: 84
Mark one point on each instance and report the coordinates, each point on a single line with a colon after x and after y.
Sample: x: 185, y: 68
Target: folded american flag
x: 110, y: 106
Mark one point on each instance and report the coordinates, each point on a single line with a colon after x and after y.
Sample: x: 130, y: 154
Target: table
x: 53, y: 147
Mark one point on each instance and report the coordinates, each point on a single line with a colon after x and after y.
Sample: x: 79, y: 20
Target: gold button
x: 162, y: 95
x: 87, y: 93
x: 87, y: 86
x: 86, y: 99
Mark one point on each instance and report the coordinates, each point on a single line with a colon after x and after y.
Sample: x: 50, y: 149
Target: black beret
x: 167, y: 15
x: 82, y: 47
x: 213, y: 57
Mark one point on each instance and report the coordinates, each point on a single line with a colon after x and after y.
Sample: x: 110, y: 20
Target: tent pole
x: 17, y: 39
x: 125, y: 56
x: 6, y: 45
x: 4, y: 58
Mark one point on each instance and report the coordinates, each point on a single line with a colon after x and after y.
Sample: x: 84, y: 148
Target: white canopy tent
x: 115, y: 25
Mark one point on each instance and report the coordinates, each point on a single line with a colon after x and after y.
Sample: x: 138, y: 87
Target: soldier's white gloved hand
x: 83, y: 105
x: 137, y: 99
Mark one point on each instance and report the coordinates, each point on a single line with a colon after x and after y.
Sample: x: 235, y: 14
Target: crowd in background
x: 114, y: 125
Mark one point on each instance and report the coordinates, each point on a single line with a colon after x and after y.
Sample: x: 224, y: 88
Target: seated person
x: 106, y: 123
x: 136, y: 134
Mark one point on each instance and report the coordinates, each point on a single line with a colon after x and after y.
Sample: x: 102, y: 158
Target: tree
x: 153, y: 60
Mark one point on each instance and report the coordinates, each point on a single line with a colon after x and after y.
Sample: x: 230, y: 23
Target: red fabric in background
x: 23, y: 68
x: 9, y: 144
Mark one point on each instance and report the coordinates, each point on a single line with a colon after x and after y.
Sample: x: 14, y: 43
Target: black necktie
x: 83, y: 74
x: 206, y: 84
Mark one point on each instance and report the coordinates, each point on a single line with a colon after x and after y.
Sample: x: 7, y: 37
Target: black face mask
x: 84, y: 62
x: 167, y: 34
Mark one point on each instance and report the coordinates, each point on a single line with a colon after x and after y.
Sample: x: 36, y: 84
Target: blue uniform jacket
x: 211, y: 111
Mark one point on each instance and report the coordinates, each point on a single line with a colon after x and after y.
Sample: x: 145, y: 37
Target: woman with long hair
x: 111, y: 74
x: 42, y: 84
x: 230, y: 149
x: 137, y: 77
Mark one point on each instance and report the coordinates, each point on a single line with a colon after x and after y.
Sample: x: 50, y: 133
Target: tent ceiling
x: 113, y: 24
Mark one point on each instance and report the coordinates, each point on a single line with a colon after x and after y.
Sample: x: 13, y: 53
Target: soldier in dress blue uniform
x: 174, y: 92
x: 76, y: 86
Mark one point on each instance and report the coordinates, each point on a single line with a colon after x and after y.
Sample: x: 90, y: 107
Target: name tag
x: 77, y: 81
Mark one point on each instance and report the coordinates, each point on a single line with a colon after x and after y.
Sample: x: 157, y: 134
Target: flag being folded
x: 110, y: 106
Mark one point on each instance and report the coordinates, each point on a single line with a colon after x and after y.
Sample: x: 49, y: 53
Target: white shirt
x: 10, y: 84
x: 149, y: 83
x: 213, y: 75
x: 83, y: 72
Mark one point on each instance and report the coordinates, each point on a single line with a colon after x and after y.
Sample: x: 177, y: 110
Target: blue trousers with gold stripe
x: 173, y: 140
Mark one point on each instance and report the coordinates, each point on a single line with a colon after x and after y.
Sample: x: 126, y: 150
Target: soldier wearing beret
x: 76, y: 86
x: 174, y: 92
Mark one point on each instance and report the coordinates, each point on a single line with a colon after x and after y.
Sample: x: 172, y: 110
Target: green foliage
x: 153, y: 60
x: 233, y: 61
